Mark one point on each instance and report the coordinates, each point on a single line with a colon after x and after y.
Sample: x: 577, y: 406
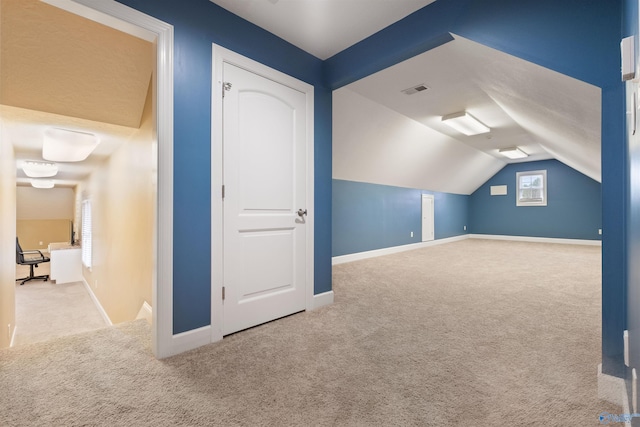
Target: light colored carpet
x: 45, y: 310
x: 472, y: 333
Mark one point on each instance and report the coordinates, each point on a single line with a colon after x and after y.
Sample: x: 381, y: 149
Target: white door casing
x: 262, y: 152
x: 139, y: 24
x: 428, y: 223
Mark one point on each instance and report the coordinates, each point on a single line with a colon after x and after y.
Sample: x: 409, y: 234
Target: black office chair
x: 31, y: 261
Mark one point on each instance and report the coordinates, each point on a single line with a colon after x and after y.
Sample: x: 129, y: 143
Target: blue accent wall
x: 198, y: 24
x: 573, y: 211
x: 372, y: 216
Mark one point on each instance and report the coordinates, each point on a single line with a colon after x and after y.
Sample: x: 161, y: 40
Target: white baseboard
x: 320, y: 300
x: 189, y: 340
x: 395, y: 249
x: 145, y: 312
x: 13, y: 337
x: 634, y: 390
x: 625, y: 340
x: 101, y: 309
x: 613, y: 390
x: 537, y: 239
x: 392, y: 250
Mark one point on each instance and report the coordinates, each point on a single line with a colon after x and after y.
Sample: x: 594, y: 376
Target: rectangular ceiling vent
x: 415, y: 89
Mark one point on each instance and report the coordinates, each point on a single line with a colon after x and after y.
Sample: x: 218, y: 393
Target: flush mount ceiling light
x: 61, y: 145
x: 465, y: 123
x: 513, y: 153
x: 42, y: 183
x: 35, y: 169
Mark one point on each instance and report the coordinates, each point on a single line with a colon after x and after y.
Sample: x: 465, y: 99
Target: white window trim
x: 87, y: 233
x: 544, y: 188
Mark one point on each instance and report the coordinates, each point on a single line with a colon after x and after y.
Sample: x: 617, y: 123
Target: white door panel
x: 428, y: 216
x: 269, y: 140
x: 264, y: 174
x: 273, y: 251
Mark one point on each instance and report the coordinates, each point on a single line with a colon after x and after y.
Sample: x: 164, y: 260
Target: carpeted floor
x: 472, y: 333
x: 46, y: 310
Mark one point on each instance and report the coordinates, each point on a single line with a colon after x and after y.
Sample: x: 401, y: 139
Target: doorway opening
x: 158, y: 156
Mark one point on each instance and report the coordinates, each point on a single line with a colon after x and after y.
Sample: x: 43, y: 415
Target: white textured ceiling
x: 59, y: 69
x: 323, y: 27
x: 547, y: 114
x: 25, y: 129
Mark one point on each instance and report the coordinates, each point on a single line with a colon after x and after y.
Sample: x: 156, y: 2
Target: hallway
x: 45, y: 310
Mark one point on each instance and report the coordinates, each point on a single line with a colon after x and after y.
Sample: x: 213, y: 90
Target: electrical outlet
x: 600, y: 231
x: 40, y: 243
x: 465, y: 228
x: 412, y: 234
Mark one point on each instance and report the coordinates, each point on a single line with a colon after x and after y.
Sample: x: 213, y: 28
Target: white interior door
x: 264, y: 178
x: 428, y: 223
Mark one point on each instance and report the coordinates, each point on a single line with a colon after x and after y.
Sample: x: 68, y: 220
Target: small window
x: 86, y: 233
x: 532, y: 188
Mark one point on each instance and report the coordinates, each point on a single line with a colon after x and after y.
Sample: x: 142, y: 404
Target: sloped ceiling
x: 547, y: 114
x: 57, y: 62
x: 375, y: 144
x: 58, y: 69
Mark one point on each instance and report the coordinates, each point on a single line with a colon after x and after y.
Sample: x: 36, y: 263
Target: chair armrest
x: 32, y: 252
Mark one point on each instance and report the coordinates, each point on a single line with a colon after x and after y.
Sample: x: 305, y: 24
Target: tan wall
x: 44, y: 215
x: 122, y: 194
x: 7, y: 240
x: 39, y: 203
x: 38, y: 233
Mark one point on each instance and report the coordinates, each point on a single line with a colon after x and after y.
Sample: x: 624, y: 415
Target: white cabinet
x: 66, y: 263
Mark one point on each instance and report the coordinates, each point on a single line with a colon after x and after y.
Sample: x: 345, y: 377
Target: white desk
x: 66, y: 263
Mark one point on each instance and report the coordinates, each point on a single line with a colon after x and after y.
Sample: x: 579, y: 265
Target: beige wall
x: 122, y: 194
x: 38, y: 233
x: 44, y: 215
x: 39, y: 203
x: 7, y: 240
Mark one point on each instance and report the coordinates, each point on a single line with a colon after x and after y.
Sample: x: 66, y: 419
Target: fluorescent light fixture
x: 513, y: 153
x: 35, y: 169
x: 465, y: 123
x: 42, y: 183
x: 61, y: 145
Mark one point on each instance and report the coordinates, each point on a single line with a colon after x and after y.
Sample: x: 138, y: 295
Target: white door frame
x: 221, y: 55
x: 124, y: 18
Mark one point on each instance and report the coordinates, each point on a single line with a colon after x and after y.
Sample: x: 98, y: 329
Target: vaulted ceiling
x: 62, y: 70
x: 544, y: 113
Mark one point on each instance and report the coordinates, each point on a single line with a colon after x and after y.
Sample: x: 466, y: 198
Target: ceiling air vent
x: 415, y: 89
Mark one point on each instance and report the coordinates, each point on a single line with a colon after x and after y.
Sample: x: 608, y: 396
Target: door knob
x: 302, y: 213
